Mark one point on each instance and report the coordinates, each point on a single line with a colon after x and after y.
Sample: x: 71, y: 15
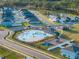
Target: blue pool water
x: 33, y: 35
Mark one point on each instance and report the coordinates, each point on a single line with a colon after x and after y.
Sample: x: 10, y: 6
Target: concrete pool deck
x: 32, y: 36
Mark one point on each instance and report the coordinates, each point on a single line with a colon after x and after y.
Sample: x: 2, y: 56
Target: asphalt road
x: 20, y: 48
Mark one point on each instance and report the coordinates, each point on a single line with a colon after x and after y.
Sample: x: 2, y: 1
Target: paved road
x: 20, y: 48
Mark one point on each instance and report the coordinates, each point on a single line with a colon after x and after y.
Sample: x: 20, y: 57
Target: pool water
x: 32, y: 36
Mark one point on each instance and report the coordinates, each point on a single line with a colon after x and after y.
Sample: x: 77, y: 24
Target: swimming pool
x: 32, y: 36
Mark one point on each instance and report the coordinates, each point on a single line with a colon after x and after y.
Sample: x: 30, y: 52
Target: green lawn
x: 2, y: 28
x: 25, y: 24
x: 4, y: 52
x: 12, y: 56
x: 56, y: 23
x: 74, y: 34
x: 9, y: 54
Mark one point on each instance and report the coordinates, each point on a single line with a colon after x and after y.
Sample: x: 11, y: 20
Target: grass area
x: 26, y: 24
x: 56, y: 23
x: 9, y: 54
x: 73, y: 35
x: 76, y: 27
x: 2, y: 28
x: 4, y: 52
